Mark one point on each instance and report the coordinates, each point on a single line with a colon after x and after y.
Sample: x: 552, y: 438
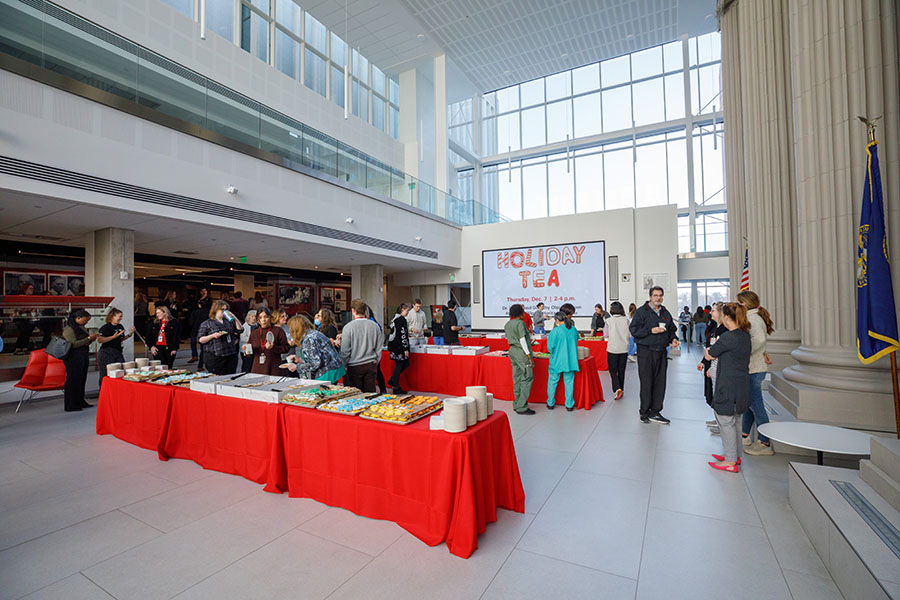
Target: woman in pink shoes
x: 731, y: 396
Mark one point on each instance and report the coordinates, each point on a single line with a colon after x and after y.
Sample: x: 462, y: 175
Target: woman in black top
x: 76, y: 360
x: 398, y: 346
x: 164, y: 336
x: 714, y: 330
x: 112, y: 334
x: 731, y: 396
x: 219, y: 335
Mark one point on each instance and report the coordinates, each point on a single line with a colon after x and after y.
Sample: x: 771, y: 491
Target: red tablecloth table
x: 597, y: 349
x: 137, y: 413
x: 438, y: 373
x: 230, y: 435
x: 441, y: 487
x: 493, y: 343
x: 496, y: 374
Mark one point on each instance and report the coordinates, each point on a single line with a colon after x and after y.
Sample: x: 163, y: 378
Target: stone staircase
x: 852, y: 519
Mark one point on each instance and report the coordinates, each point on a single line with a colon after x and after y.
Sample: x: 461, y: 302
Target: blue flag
x: 876, y: 318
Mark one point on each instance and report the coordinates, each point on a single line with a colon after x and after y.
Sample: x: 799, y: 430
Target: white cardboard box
x: 208, y: 385
x: 417, y: 349
x: 437, y: 349
x: 470, y: 350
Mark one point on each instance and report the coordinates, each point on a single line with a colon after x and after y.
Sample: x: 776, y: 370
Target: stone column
x: 108, y: 255
x: 244, y: 284
x: 845, y: 63
x: 368, y: 284
x: 756, y: 82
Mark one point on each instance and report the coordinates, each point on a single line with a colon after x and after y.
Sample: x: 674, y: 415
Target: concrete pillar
x: 244, y: 284
x: 759, y: 154
x: 440, y: 127
x: 845, y: 63
x: 368, y: 284
x: 441, y: 293
x: 408, y: 127
x: 109, y: 271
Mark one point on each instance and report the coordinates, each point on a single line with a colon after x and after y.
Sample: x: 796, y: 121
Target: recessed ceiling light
x: 506, y: 72
x: 421, y: 36
x: 564, y: 54
x: 630, y: 36
x: 231, y: 257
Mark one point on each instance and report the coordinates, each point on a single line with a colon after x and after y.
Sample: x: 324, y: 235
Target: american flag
x: 745, y: 275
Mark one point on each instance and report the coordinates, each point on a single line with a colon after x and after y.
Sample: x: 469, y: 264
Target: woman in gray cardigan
x: 731, y: 394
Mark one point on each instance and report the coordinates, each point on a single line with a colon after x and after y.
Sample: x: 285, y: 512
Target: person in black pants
x: 164, y: 336
x: 76, y: 360
x: 398, y: 346
x: 219, y: 335
x: 112, y: 334
x: 451, y: 325
x: 653, y: 329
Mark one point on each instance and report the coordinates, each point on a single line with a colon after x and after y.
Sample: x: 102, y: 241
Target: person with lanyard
x: 562, y: 344
x: 538, y: 318
x: 111, y: 336
x: 521, y: 357
x: 246, y: 351
x: 219, y: 335
x: 313, y: 355
x: 164, y: 336
x: 268, y: 343
x: 76, y: 361
x: 451, y: 325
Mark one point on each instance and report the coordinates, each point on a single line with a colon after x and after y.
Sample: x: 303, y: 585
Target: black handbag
x: 58, y: 347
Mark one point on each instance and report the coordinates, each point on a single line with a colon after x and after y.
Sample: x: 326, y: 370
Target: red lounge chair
x: 43, y: 373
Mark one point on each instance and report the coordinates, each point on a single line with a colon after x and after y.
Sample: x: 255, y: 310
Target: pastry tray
x: 430, y: 411
x: 323, y: 408
x: 324, y: 400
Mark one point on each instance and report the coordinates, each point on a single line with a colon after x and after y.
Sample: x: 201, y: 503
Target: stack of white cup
x: 479, y: 393
x: 454, y: 415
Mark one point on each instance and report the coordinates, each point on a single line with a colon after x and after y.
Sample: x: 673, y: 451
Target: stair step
x: 881, y: 482
x: 886, y: 456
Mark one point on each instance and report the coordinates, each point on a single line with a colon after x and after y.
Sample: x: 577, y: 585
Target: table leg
x: 819, y: 456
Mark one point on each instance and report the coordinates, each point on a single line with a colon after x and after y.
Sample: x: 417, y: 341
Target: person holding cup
x: 268, y: 343
x: 110, y: 338
x: 246, y: 350
x: 313, y: 356
x: 653, y: 329
x: 219, y: 335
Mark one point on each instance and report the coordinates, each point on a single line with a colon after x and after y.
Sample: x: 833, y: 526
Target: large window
x: 282, y: 34
x: 631, y: 135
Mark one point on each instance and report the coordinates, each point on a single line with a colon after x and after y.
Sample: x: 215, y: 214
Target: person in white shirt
x: 416, y: 321
x: 617, y: 336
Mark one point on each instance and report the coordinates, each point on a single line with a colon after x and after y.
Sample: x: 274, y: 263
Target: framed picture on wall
x: 339, y: 294
x: 326, y: 295
x: 59, y: 284
x: 340, y: 306
x: 75, y: 284
x: 13, y: 281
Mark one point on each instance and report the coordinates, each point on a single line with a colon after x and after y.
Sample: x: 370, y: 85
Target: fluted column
x: 756, y: 82
x: 844, y: 55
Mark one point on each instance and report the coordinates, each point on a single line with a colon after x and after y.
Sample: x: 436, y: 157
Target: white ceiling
x: 503, y: 42
x: 41, y: 219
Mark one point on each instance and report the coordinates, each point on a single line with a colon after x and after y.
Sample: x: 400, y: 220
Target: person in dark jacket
x: 731, y: 396
x: 598, y: 321
x: 239, y: 306
x: 398, y: 346
x: 164, y: 336
x: 219, y: 335
x: 715, y: 329
x: 111, y: 336
x: 653, y: 329
x: 76, y: 360
x: 451, y: 325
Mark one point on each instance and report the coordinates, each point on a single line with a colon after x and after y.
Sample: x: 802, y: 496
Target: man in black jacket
x: 653, y: 329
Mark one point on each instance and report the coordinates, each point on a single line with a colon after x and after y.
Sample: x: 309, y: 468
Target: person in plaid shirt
x: 219, y: 335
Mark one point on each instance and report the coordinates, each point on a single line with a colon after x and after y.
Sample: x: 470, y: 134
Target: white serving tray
x: 437, y: 349
x: 207, y: 385
x: 470, y: 350
x: 417, y: 349
x: 232, y: 390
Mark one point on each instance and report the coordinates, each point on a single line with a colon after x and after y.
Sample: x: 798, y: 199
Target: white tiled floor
x: 614, y: 509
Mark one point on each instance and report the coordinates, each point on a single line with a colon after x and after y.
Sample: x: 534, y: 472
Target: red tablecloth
x: 496, y: 374
x: 494, y: 343
x: 440, y: 487
x: 439, y: 373
x: 230, y: 435
x: 137, y: 413
x: 597, y: 349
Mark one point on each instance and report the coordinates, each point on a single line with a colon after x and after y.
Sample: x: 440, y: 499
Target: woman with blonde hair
x: 761, y: 327
x: 164, y: 337
x: 313, y: 355
x: 731, y: 395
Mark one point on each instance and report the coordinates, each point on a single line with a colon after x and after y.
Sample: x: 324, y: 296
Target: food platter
x: 403, y: 410
x: 351, y: 405
x: 314, y: 398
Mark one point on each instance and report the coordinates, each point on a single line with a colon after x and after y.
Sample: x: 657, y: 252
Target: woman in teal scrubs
x: 562, y: 344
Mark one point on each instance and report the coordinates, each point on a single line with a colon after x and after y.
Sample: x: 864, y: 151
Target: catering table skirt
x: 440, y: 373
x: 496, y: 374
x: 493, y: 343
x: 597, y: 349
x: 137, y: 413
x: 441, y: 487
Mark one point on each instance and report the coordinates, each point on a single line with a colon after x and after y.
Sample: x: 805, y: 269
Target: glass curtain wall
x: 638, y: 130
x: 282, y: 34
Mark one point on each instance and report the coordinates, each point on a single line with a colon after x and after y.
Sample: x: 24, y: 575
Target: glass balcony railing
x: 43, y: 41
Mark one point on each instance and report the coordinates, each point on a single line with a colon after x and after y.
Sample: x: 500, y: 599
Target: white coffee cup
x: 662, y: 324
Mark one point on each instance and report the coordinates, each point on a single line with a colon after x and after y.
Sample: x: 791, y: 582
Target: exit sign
x: 243, y: 259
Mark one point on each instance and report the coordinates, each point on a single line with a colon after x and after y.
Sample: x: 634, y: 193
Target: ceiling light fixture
x: 349, y: 220
x: 421, y: 36
x: 418, y: 238
x: 232, y: 190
